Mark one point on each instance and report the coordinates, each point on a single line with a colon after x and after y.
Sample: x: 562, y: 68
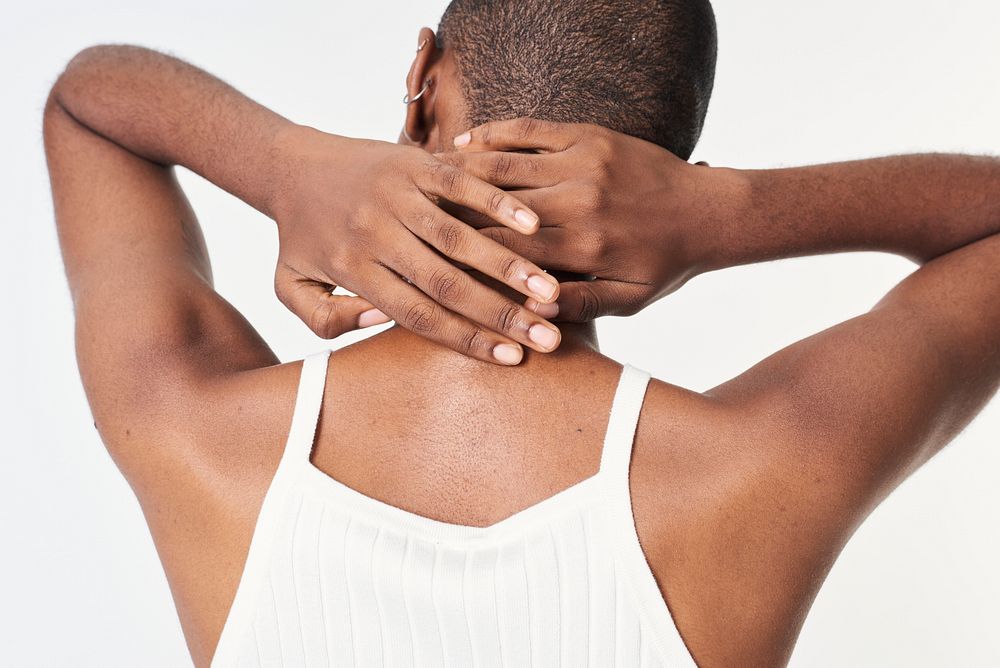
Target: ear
x: 420, y: 93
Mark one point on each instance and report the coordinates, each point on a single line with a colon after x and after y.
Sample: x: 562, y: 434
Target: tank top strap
x: 625, y: 409
x: 308, y: 402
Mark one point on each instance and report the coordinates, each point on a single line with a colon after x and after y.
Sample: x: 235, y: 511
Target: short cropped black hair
x: 642, y: 67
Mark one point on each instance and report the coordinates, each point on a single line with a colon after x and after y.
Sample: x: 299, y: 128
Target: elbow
x: 90, y: 58
x: 55, y: 103
x: 56, y: 114
x: 52, y: 116
x: 77, y: 75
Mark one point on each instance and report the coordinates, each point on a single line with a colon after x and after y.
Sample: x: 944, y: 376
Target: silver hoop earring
x: 408, y: 100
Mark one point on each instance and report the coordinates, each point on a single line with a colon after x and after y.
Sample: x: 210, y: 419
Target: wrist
x: 285, y: 158
x: 724, y: 200
x: 297, y: 152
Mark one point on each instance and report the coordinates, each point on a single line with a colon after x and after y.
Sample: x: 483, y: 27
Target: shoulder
x: 200, y: 465
x: 197, y: 437
x: 712, y: 510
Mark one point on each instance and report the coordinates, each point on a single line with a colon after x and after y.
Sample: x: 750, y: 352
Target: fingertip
x: 372, y: 317
x: 463, y: 139
x: 526, y: 220
x: 508, y: 354
x: 544, y: 287
x: 546, y: 336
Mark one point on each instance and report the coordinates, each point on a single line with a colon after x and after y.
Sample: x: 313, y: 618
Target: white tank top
x: 336, y: 578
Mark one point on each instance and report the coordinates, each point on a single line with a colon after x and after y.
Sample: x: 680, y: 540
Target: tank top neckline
x: 609, y: 480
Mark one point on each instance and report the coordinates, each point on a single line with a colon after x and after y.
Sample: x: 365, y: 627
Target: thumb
x: 580, y: 301
x: 326, y: 314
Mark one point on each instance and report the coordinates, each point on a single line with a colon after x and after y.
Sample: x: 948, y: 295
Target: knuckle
x: 280, y: 291
x: 435, y: 167
x: 421, y: 317
x: 525, y: 127
x: 501, y: 169
x: 600, y: 242
x: 509, y: 267
x: 451, y: 180
x: 495, y: 200
x: 427, y: 221
x: 594, y: 198
x: 445, y: 286
x: 530, y: 166
x: 282, y: 294
x: 357, y: 224
x: 590, y: 303
x: 508, y: 317
x: 339, y: 259
x: 436, y: 177
x: 403, y: 265
x: 604, y: 144
x: 473, y: 340
x: 602, y: 168
x: 323, y: 320
x: 449, y: 238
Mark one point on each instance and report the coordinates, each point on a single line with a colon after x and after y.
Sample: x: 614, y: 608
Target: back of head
x: 641, y: 67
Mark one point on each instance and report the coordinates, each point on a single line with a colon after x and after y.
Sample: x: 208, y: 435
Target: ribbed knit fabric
x: 335, y: 578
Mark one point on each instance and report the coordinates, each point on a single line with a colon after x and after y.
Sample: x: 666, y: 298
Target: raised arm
x: 643, y: 222
x: 361, y: 214
x: 883, y: 392
x: 841, y: 418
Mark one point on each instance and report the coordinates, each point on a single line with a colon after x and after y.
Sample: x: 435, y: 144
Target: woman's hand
x: 617, y: 208
x: 365, y: 215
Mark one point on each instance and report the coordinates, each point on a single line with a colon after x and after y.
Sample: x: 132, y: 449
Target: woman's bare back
x: 411, y: 424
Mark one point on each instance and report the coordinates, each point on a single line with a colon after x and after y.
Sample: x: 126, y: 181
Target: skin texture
x: 743, y: 495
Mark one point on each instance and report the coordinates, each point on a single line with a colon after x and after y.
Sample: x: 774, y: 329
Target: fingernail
x: 541, y: 286
x: 372, y: 317
x: 547, y: 311
x: 525, y: 219
x: 544, y: 336
x: 463, y: 139
x: 506, y: 353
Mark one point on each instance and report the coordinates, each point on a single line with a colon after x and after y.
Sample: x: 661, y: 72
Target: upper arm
x: 820, y: 432
x: 864, y: 403
x: 152, y: 335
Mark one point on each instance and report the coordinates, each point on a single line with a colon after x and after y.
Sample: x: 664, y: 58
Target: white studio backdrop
x: 798, y: 82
